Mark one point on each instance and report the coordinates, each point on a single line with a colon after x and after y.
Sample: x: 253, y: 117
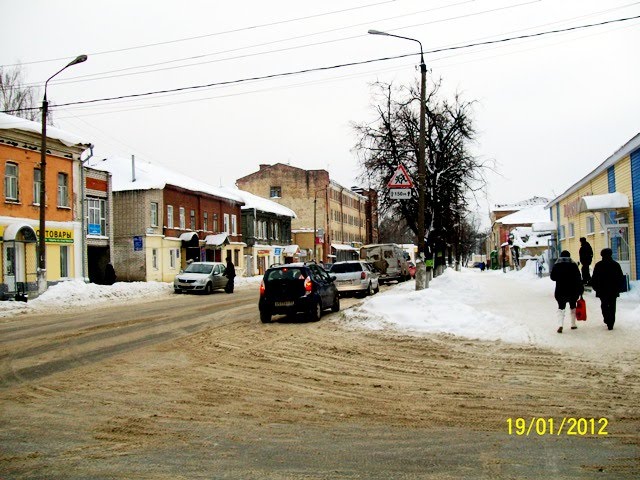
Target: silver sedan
x: 355, y: 276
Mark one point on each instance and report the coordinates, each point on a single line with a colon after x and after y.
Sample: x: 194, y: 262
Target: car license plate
x: 284, y: 304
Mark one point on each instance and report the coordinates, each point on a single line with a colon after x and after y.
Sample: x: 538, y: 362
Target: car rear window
x: 346, y: 268
x: 285, y: 274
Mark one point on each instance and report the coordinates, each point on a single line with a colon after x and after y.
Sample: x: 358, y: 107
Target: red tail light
x: 363, y: 275
x: 308, y: 286
x: 262, y: 288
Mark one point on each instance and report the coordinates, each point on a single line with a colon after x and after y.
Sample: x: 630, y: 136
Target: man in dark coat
x: 586, y: 257
x: 606, y: 281
x: 568, y: 287
x: 230, y: 273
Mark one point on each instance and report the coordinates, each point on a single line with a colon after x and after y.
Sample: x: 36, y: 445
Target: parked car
x: 412, y: 268
x: 355, y: 276
x: 201, y: 277
x: 297, y: 287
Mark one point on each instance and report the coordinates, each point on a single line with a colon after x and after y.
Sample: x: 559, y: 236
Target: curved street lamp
x: 421, y: 276
x: 42, y: 252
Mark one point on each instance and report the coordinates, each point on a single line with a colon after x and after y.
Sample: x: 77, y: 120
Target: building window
x: 205, y: 221
x: 37, y: 180
x: 169, y: 216
x: 11, y: 182
x: 172, y: 258
x: 154, y: 214
x: 215, y: 223
x: 603, y: 221
x: 236, y: 257
x: 234, y: 225
x: 562, y: 232
x: 64, y: 261
x: 275, y: 192
x: 183, y: 220
x: 192, y: 219
x: 63, y: 190
x: 96, y: 216
x: 10, y: 260
x: 154, y: 258
x: 572, y: 230
x: 591, y: 225
x: 226, y: 223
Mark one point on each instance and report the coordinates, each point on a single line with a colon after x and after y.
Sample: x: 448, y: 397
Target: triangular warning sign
x: 400, y: 178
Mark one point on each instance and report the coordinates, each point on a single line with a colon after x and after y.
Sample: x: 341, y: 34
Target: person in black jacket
x: 586, y: 257
x: 568, y: 287
x: 606, y: 281
x: 230, y: 273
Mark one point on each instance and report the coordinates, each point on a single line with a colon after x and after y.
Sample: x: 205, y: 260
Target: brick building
x: 20, y: 142
x: 162, y: 219
x: 332, y: 221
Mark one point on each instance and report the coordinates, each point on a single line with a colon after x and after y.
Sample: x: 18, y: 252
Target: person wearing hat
x: 606, y: 281
x: 568, y: 287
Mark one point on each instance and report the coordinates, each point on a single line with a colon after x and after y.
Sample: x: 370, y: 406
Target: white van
x: 389, y: 259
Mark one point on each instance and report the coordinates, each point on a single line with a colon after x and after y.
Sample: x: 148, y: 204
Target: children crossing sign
x: 400, y: 184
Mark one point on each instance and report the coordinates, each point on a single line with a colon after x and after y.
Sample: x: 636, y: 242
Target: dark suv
x: 297, y: 287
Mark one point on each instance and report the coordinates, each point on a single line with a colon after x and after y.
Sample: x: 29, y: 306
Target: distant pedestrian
x: 606, y: 281
x: 568, y: 287
x: 109, y: 275
x: 586, y: 257
x: 230, y: 273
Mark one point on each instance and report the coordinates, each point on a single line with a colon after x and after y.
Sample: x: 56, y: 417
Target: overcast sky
x: 549, y: 109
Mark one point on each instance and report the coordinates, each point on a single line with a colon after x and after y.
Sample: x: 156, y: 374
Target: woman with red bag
x: 569, y: 287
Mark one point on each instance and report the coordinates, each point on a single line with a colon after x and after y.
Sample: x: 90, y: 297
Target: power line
x: 252, y: 27
x: 333, y: 67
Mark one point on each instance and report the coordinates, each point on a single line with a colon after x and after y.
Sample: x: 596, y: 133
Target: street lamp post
x: 421, y: 274
x: 42, y: 252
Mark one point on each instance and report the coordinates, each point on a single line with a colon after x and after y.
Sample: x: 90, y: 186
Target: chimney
x: 133, y: 168
x: 264, y: 165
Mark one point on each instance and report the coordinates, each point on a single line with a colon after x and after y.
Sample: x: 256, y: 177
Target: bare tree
x: 453, y: 173
x: 16, y: 97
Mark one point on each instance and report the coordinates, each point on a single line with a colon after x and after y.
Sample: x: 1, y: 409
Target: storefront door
x: 618, y: 241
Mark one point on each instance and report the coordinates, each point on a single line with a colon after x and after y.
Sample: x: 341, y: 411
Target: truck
x: 389, y: 259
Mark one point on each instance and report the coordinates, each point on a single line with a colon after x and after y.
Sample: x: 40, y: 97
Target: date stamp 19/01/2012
x: 572, y: 426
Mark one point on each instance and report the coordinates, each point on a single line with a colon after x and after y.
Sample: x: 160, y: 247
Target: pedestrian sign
x: 400, y: 178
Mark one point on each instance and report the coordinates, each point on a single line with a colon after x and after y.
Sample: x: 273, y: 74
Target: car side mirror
x: 333, y: 278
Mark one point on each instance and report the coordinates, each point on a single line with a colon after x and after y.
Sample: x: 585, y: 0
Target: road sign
x: 400, y: 193
x: 400, y: 178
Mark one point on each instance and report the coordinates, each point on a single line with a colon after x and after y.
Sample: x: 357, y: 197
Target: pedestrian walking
x: 606, y: 281
x: 230, y: 273
x: 586, y: 257
x: 568, y: 287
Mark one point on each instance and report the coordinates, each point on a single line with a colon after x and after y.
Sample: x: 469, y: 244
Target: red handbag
x: 581, y: 309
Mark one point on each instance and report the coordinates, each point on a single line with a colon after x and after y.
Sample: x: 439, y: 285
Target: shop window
x: 64, y: 261
x: 572, y: 230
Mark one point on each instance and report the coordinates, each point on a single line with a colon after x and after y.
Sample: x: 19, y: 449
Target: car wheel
x: 335, y: 307
x: 377, y: 289
x: 208, y: 289
x: 265, y: 317
x: 369, y: 290
x: 316, y: 313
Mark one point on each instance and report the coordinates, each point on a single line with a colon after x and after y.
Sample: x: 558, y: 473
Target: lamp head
x: 377, y: 32
x: 78, y: 59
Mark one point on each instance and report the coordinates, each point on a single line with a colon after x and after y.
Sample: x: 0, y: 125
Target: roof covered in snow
x: 530, y: 202
x: 150, y: 176
x: 526, y: 216
x: 525, y: 237
x: 252, y: 201
x: 11, y: 122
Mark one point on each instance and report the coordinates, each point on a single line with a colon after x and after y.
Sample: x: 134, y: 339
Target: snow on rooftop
x: 526, y: 216
x: 150, y: 176
x: 530, y: 202
x: 252, y: 201
x: 11, y: 122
